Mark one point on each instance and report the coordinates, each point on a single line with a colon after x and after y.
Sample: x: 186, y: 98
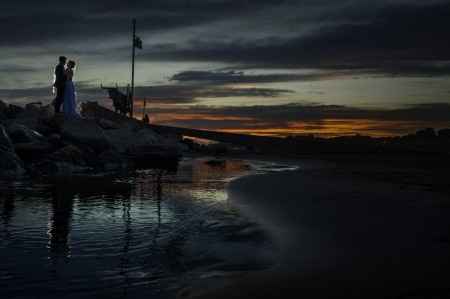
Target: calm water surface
x: 146, y: 235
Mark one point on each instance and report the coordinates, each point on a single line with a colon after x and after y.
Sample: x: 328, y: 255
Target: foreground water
x: 150, y: 234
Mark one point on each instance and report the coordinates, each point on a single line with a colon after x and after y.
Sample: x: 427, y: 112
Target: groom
x: 60, y: 83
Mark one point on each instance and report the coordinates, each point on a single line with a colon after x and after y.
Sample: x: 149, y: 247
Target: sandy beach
x: 343, y: 236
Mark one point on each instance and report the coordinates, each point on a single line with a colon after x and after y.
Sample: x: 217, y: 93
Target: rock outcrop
x: 34, y: 140
x: 3, y: 110
x: 22, y: 134
x: 128, y: 139
x: 85, y: 132
x: 10, y: 164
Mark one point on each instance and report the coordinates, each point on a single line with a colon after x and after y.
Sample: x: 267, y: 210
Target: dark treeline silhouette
x: 422, y: 142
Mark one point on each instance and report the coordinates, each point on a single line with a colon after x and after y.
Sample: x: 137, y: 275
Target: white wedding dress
x: 70, y: 100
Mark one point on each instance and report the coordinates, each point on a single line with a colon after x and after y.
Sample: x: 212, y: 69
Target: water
x: 144, y: 236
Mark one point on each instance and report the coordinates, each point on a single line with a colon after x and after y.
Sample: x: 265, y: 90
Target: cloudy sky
x: 272, y: 67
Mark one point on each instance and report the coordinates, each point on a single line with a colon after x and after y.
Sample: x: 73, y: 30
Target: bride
x: 70, y: 102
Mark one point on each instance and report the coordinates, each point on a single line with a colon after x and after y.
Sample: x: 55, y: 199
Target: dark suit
x: 60, y: 83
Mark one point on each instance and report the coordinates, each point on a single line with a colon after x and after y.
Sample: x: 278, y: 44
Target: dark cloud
x: 36, y: 22
x: 13, y: 68
x: 399, y: 38
x: 192, y: 92
x: 233, y: 76
x: 409, y: 37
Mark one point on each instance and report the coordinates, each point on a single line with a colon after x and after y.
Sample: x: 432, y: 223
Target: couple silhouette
x: 65, y: 89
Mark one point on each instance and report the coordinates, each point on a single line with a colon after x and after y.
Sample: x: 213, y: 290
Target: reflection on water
x: 126, y: 237
x: 59, y: 223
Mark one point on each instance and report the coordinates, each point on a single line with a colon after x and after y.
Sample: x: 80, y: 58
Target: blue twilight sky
x: 273, y: 67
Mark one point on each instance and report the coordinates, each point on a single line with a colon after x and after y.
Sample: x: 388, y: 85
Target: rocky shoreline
x: 34, y: 142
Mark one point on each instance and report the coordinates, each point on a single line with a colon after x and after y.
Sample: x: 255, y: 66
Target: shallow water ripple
x: 147, y: 236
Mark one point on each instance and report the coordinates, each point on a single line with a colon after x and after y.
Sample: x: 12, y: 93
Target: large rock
x: 22, y: 116
x: 33, y: 116
x: 3, y: 110
x: 107, y: 124
x: 69, y: 154
x: 66, y: 161
x: 14, y: 110
x: 22, y: 134
x: 127, y: 139
x: 33, y: 151
x: 47, y: 112
x: 33, y: 107
x: 5, y: 142
x: 144, y: 148
x: 10, y: 164
x: 29, y: 145
x: 85, y: 132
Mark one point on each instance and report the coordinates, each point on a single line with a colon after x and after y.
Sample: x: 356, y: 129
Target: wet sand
x: 343, y: 236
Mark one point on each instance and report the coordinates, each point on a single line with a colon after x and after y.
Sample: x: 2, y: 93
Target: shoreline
x: 342, y: 235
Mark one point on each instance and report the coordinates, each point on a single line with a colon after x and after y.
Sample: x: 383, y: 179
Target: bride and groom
x: 65, y: 89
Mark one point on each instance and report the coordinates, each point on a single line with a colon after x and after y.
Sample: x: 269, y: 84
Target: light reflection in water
x: 124, y: 237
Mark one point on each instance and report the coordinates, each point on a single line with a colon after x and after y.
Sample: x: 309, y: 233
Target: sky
x: 267, y: 67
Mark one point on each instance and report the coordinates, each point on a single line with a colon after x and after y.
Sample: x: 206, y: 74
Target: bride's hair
x: 71, y: 64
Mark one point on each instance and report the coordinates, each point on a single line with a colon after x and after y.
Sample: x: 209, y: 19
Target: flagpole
x: 132, y: 68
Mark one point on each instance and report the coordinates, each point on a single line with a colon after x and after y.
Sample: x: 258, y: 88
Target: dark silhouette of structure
x: 136, y: 43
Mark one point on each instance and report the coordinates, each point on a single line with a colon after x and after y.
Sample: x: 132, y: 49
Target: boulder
x: 127, y: 140
x: 53, y: 125
x: 22, y: 134
x: 5, y: 142
x: 85, y: 132
x: 107, y: 124
x: 69, y: 154
x: 32, y: 150
x: 3, y: 110
x: 29, y: 145
x: 66, y: 161
x: 46, y: 114
x: 55, y: 139
x: 26, y: 117
x: 10, y: 164
x: 33, y: 108
x: 35, y: 117
x: 144, y: 148
x: 14, y: 110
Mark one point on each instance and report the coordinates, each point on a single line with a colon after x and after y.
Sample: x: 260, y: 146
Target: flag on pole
x: 138, y: 42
